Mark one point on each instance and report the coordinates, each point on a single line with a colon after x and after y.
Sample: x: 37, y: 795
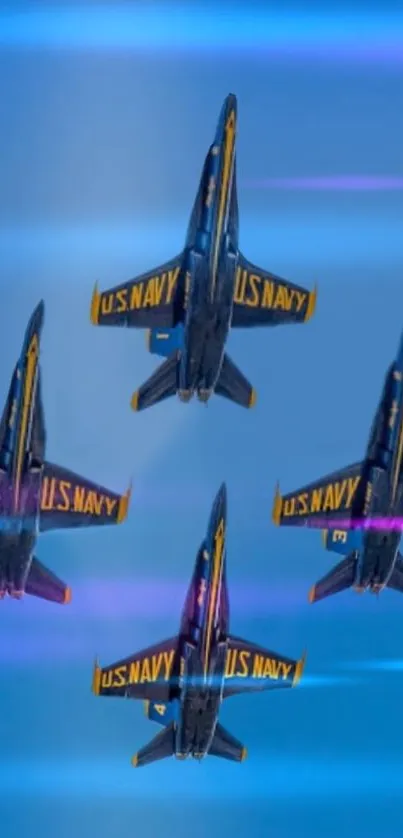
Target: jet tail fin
x: 339, y: 579
x: 233, y: 385
x: 225, y: 745
x: 162, y: 713
x: 342, y: 541
x: 162, y: 384
x: 165, y: 341
x: 396, y: 578
x: 160, y: 747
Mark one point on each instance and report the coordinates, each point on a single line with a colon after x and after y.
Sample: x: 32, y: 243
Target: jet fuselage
x: 384, y: 489
x: 210, y: 264
x: 21, y: 465
x: 203, y: 642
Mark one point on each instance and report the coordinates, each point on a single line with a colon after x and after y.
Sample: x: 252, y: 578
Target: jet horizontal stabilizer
x: 161, y: 385
x: 164, y: 342
x: 163, y: 745
x: 161, y: 713
x: 233, y: 385
x: 342, y: 541
x: 396, y: 578
x: 339, y: 579
x: 43, y: 583
x: 225, y: 745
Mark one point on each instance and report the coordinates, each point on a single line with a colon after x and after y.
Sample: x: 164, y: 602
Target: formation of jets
x: 188, y: 306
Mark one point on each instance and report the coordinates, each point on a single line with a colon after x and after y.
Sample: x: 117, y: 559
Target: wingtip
x: 67, y: 596
x: 252, y: 398
x: 311, y: 303
x: 135, y: 401
x: 135, y: 761
x: 277, y: 505
x: 244, y: 754
x: 299, y: 669
x: 124, y: 504
x: 95, y: 305
x: 96, y: 678
x: 312, y: 594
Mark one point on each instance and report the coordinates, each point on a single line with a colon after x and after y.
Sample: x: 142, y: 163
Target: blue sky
x: 106, y: 119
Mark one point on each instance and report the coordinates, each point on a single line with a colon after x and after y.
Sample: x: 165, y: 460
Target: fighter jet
x: 35, y: 495
x: 184, y: 679
x: 361, y: 506
x: 190, y: 303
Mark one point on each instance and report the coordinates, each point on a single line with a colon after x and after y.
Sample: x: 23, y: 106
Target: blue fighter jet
x: 184, y: 679
x: 36, y: 495
x: 361, y: 506
x: 190, y: 303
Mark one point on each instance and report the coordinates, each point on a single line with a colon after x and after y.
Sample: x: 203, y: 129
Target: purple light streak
x: 123, y: 599
x: 376, y: 524
x: 102, y: 612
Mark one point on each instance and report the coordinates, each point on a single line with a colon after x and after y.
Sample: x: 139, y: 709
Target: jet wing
x: 69, y: 500
x: 152, y: 300
x: 145, y: 675
x: 264, y: 299
x: 332, y: 499
x: 251, y: 668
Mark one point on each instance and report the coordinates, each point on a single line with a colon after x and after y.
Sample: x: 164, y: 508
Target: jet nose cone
x: 39, y: 311
x: 34, y: 327
x: 231, y: 101
x: 220, y: 503
x: 400, y: 351
x: 222, y: 492
x: 37, y: 317
x: 228, y: 116
x: 218, y: 512
x: 229, y: 106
